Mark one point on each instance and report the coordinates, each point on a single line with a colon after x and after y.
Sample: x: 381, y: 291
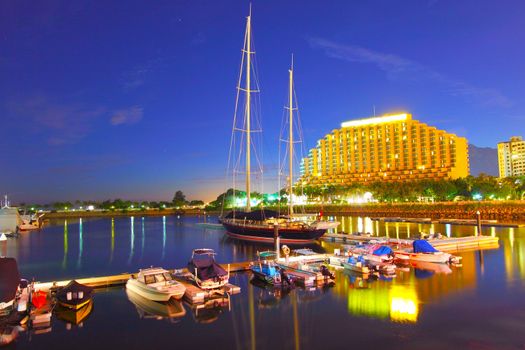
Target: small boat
x: 206, y: 273
x: 156, y: 284
x: 147, y: 308
x: 74, y: 295
x: 74, y: 317
x: 9, y: 284
x: 357, y: 264
x: 423, y: 251
x: 266, y: 270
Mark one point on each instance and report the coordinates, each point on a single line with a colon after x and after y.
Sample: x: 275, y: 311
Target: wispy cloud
x: 400, y: 68
x: 129, y: 115
x: 137, y: 76
x: 62, y: 123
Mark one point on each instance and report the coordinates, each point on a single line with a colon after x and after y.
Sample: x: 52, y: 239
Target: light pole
x: 478, y: 216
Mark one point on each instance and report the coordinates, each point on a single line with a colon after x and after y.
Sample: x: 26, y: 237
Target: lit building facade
x: 511, y: 157
x: 389, y: 148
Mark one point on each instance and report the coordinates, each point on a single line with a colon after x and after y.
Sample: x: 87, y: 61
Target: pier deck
x: 456, y: 245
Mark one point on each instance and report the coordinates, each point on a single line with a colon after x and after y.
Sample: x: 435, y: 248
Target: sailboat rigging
x: 258, y: 225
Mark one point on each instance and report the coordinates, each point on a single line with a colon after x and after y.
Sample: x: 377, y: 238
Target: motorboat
x: 156, y: 284
x: 9, y: 284
x: 423, y: 251
x: 147, y: 308
x: 265, y: 269
x: 357, y: 264
x: 74, y: 317
x: 74, y: 295
x: 206, y: 273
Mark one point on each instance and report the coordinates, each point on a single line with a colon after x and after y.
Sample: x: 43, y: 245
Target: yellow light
x: 375, y: 120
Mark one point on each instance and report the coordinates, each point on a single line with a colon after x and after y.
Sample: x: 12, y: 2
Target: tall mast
x: 248, y: 102
x: 290, y: 139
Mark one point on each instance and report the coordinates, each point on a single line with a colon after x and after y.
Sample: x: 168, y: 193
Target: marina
x: 174, y: 239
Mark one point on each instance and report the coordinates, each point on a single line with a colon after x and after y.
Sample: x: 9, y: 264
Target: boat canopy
x: 383, y: 250
x: 9, y: 279
x: 422, y: 246
x: 77, y: 293
x: 206, y: 267
x: 256, y: 215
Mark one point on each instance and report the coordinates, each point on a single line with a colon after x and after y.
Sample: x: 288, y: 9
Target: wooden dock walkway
x: 193, y: 293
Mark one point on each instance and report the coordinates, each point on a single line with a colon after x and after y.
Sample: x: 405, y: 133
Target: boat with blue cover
x: 423, y: 251
x: 265, y: 268
x: 357, y: 264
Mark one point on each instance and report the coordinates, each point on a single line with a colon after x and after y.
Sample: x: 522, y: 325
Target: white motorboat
x: 156, y: 284
x: 424, y: 252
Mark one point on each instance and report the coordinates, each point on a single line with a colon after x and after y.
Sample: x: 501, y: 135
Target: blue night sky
x: 134, y: 99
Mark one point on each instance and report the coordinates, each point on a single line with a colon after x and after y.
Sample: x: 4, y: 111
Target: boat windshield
x: 149, y: 279
x: 159, y: 277
x: 167, y: 276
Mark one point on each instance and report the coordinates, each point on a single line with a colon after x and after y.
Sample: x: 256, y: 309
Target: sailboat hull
x: 266, y: 234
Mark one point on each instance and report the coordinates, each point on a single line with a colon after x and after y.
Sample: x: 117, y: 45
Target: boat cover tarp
x: 422, y: 246
x: 383, y: 250
x: 9, y: 279
x: 74, y: 287
x: 256, y: 215
x: 206, y: 267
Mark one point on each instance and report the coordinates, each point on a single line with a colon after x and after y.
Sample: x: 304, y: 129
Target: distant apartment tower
x: 390, y: 148
x: 511, y: 157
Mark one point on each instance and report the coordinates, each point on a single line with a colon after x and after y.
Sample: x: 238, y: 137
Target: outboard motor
x: 325, y: 272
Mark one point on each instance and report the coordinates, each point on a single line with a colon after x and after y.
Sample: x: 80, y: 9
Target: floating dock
x: 465, y: 222
x: 457, y: 244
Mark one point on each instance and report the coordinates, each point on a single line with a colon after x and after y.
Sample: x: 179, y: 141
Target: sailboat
x: 262, y: 225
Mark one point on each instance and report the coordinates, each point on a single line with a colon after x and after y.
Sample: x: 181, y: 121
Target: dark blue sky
x: 134, y: 99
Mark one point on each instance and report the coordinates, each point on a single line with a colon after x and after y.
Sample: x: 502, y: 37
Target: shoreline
x: 504, y: 212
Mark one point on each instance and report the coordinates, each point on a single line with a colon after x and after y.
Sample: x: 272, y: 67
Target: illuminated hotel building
x: 387, y: 148
x: 511, y: 157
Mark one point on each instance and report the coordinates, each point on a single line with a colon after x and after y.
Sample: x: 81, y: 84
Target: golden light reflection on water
x: 399, y: 303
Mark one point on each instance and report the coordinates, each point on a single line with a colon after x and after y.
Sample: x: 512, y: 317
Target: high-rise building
x: 388, y: 148
x: 511, y: 157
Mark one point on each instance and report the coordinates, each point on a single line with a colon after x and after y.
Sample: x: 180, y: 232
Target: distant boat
x: 259, y: 225
x: 74, y: 295
x: 156, y: 284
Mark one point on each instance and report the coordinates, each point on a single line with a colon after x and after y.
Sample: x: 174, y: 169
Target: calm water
x: 478, y: 306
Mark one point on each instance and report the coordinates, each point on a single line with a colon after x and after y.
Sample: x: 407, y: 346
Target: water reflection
x: 143, y: 238
x: 80, y: 244
x: 132, y: 239
x: 172, y: 310
x: 66, y: 245
x: 163, y: 237
x: 112, y: 240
